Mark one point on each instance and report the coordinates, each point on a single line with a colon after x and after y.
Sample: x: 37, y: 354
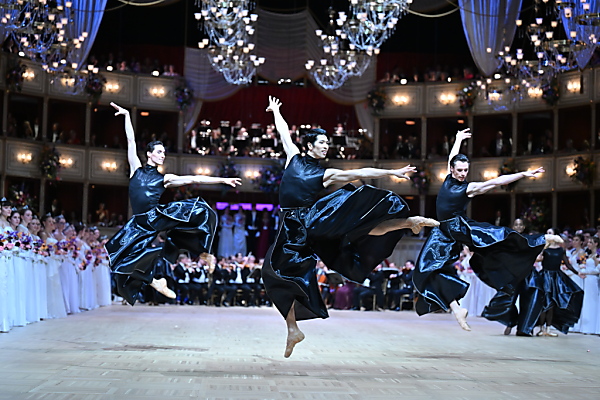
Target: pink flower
x: 9, y: 246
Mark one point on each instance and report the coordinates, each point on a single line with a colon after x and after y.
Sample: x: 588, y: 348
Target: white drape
x: 286, y: 41
x: 489, y: 25
x: 87, y: 18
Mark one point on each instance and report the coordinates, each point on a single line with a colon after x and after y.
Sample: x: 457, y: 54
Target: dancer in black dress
x: 563, y: 298
x: 352, y: 230
x: 188, y: 224
x: 502, y: 257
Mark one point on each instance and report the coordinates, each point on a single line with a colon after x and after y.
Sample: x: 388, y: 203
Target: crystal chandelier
x: 341, y: 59
x: 371, y: 22
x: 228, y: 25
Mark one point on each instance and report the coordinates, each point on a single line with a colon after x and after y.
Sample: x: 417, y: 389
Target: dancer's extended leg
x: 415, y: 224
x: 460, y: 314
x: 294, y: 335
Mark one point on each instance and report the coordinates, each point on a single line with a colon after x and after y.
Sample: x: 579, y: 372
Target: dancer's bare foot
x: 294, y: 337
x: 160, y: 285
x: 553, y: 239
x: 417, y: 223
x: 461, y: 317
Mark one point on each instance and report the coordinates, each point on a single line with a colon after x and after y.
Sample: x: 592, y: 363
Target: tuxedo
x: 217, y: 286
x: 182, y: 281
x: 238, y: 277
x: 199, y: 284
x: 407, y: 287
x: 372, y: 286
x: 253, y: 224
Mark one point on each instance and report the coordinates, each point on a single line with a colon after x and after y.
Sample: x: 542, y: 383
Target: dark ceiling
x: 173, y: 24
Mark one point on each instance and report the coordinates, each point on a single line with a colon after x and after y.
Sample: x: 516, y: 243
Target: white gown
x: 102, y: 279
x: 225, y: 237
x: 573, y: 259
x: 21, y: 293
x: 87, y: 282
x: 6, y: 295
x: 69, y: 274
x: 588, y: 321
x: 40, y: 283
x: 56, y: 302
x: 239, y: 234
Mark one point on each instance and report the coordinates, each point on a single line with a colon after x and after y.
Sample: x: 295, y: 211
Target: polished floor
x: 191, y: 352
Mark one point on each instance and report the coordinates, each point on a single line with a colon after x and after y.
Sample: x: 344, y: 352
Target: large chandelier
x: 228, y: 25
x: 341, y: 59
x: 371, y: 22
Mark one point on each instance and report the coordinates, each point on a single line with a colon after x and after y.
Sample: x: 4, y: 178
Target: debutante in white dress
x: 6, y: 291
x: 56, y: 302
x: 576, y: 261
x: 225, y: 236
x: 239, y: 234
x: 40, y: 265
x: 87, y: 282
x: 101, y: 272
x: 588, y: 322
x: 69, y: 274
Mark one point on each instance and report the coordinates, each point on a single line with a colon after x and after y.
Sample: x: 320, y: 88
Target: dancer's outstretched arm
x: 132, y: 157
x: 332, y: 175
x: 477, y: 188
x: 460, y: 136
x: 282, y: 127
x: 172, y: 180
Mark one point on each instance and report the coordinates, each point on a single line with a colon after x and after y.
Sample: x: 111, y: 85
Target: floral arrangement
x: 228, y: 169
x: 49, y: 162
x: 466, y: 98
x: 508, y: 168
x: 421, y: 180
x: 20, y: 196
x: 585, y: 171
x: 536, y: 216
x: 377, y: 98
x: 551, y: 92
x: 19, y: 240
x: 184, y: 96
x: 94, y: 87
x: 14, y: 76
x: 269, y: 178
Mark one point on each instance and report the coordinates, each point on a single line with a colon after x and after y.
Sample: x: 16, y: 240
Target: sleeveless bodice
x: 301, y: 183
x: 145, y: 188
x: 452, y: 199
x: 553, y: 259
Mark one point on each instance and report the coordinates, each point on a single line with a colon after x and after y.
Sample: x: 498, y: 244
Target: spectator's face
x: 577, y: 242
x: 6, y: 210
x: 34, y: 226
x: 518, y: 225
x: 15, y: 219
x: 27, y: 216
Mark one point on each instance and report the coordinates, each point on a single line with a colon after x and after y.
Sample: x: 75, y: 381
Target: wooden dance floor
x: 191, y: 352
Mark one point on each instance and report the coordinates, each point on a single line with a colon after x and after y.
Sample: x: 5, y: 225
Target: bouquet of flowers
x: 14, y: 76
x: 536, y: 216
x: 508, y: 167
x: 421, y: 180
x: 49, y: 162
x: 585, y: 171
x: 184, y: 96
x: 377, y: 98
x: 94, y: 87
x: 466, y: 98
x: 20, y: 196
x: 269, y: 178
x: 551, y: 92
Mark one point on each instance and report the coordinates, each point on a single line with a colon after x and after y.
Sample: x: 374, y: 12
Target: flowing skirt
x: 530, y: 293
x: 336, y: 229
x: 87, y: 289
x: 102, y: 279
x: 188, y: 224
x: 69, y: 276
x: 502, y: 258
x: 565, y: 297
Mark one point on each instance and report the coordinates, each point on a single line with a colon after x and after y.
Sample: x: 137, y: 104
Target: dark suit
x: 361, y: 293
x: 253, y: 223
x: 237, y: 281
x: 199, y: 285
x: 182, y: 281
x: 217, y: 286
x: 407, y: 288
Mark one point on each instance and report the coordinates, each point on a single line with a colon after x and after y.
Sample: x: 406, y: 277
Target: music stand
x: 255, y: 132
x: 240, y: 143
x: 266, y: 143
x: 226, y: 130
x: 339, y: 140
x: 333, y: 278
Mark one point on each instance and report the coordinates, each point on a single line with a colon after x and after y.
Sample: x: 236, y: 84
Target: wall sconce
x: 160, y: 169
x: 447, y: 98
x: 574, y: 86
x: 66, y: 162
x: 28, y: 75
x: 442, y: 175
x: 570, y: 169
x: 489, y: 174
x: 112, y: 87
x: 25, y: 158
x: 109, y: 166
x: 401, y: 100
x: 535, y: 92
x: 158, y: 92
x: 203, y: 171
x: 67, y: 81
x: 495, y: 96
x: 252, y: 174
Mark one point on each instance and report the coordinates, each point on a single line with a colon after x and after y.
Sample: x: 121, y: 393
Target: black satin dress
x: 562, y: 295
x: 530, y: 293
x: 334, y: 228
x: 502, y: 257
x: 188, y: 224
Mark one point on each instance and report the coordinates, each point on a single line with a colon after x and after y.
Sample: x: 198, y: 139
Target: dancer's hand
x: 233, y: 182
x: 274, y: 104
x: 120, y: 110
x: 464, y: 134
x: 532, y: 174
x: 401, y: 173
